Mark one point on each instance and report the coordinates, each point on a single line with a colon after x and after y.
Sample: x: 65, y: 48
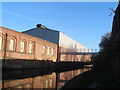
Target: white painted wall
x: 67, y: 42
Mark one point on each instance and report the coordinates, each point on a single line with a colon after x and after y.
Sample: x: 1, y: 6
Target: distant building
x: 64, y: 42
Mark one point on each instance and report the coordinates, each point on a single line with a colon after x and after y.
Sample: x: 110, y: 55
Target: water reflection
x: 37, y: 79
x: 64, y: 77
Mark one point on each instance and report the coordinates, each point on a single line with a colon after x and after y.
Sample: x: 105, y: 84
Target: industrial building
x: 64, y: 42
x: 38, y: 48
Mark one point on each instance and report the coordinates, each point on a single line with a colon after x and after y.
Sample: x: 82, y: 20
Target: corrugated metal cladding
x: 67, y: 42
x: 46, y: 34
x: 56, y: 37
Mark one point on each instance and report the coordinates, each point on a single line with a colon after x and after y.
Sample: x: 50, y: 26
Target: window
x: 22, y: 48
x: 46, y: 83
x: 30, y: 48
x: 1, y: 39
x: 44, y: 48
x: 51, y: 83
x: 19, y: 87
x: 28, y: 86
x: 52, y: 51
x: 12, y: 43
x: 73, y: 45
x: 48, y: 51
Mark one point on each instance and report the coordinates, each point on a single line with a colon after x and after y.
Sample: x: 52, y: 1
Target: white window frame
x: 48, y: 51
x: 52, y: 51
x: 1, y: 42
x: 12, y: 44
x: 44, y: 49
x: 22, y: 46
x: 30, y: 48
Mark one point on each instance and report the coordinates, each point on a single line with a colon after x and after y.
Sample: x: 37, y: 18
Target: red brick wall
x: 76, y: 58
x: 46, y: 81
x: 18, y: 37
x: 16, y: 83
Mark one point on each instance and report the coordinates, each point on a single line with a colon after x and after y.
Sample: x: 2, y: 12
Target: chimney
x: 41, y: 26
x: 38, y: 25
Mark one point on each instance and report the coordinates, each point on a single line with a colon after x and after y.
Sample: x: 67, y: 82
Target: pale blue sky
x: 84, y: 22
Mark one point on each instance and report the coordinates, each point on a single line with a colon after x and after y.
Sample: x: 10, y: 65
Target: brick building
x: 39, y: 43
x: 64, y: 43
x: 38, y: 82
x: 19, y: 50
x: 16, y: 45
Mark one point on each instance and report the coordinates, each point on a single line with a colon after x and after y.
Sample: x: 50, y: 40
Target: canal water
x: 38, y: 78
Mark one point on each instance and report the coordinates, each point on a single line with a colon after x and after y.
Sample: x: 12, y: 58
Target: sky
x: 85, y: 22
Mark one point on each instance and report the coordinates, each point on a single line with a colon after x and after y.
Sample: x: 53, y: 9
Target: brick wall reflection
x: 51, y: 81
x: 47, y: 81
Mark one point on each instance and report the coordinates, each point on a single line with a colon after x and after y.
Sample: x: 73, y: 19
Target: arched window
x: 51, y: 83
x: 1, y: 42
x: 48, y: 51
x: 30, y: 48
x: 12, y: 43
x: 22, y: 47
x: 46, y: 83
x: 52, y: 51
x: 44, y: 50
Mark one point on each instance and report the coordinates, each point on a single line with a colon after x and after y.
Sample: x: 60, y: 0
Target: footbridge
x: 84, y: 52
x: 78, y: 53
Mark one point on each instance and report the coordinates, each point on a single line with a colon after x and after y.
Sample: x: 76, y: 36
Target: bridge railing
x: 78, y: 53
x: 81, y: 52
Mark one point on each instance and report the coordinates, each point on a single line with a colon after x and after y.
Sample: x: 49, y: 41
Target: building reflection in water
x: 53, y: 80
x: 64, y: 77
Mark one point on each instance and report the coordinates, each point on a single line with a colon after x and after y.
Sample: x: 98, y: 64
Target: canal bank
x: 96, y: 80
x: 11, y: 64
x: 38, y: 78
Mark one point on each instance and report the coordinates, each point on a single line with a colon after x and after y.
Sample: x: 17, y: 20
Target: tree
x: 105, y: 42
x: 103, y: 61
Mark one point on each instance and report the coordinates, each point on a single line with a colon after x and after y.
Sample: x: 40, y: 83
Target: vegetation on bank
x: 91, y: 79
x: 104, y: 60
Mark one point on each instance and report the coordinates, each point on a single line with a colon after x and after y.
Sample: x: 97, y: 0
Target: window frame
x: 44, y: 49
x: 32, y: 48
x: 52, y: 51
x: 25, y: 43
x: 1, y: 43
x: 48, y: 50
x: 14, y: 44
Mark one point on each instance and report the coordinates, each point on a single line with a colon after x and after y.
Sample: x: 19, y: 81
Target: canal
x: 38, y: 78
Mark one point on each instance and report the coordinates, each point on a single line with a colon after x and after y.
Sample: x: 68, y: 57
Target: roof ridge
x: 40, y: 28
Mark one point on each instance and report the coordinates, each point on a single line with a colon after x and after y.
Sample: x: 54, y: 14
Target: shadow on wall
x: 26, y: 64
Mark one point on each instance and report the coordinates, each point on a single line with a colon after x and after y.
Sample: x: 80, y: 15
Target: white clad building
x: 64, y: 42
